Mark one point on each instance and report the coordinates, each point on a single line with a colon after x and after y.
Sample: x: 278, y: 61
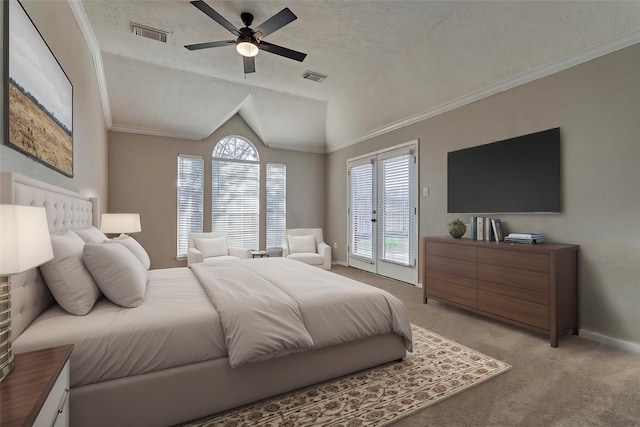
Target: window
x: 276, y: 203
x: 236, y: 191
x: 190, y: 198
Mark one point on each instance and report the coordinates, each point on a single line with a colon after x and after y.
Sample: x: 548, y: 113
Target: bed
x: 187, y: 350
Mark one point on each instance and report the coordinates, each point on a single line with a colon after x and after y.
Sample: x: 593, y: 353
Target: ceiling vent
x: 150, y: 33
x: 313, y: 76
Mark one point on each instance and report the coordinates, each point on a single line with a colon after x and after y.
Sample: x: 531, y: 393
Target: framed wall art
x: 40, y: 96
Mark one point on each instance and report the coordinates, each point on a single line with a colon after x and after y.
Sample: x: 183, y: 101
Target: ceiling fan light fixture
x: 247, y: 47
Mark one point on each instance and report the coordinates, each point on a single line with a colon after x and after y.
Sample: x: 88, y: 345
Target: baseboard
x: 614, y: 342
x: 339, y: 263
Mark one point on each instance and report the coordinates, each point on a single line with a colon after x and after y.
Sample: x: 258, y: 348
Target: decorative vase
x: 457, y: 228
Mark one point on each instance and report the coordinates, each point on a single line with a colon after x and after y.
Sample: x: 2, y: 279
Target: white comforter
x: 177, y: 323
x: 274, y: 306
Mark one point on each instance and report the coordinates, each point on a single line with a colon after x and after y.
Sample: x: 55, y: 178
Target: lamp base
x: 7, y: 367
x: 6, y: 355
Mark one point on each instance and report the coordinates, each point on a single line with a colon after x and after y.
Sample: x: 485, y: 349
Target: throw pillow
x: 67, y: 277
x: 91, y: 235
x: 216, y: 246
x: 119, y: 274
x: 135, y: 247
x: 302, y: 244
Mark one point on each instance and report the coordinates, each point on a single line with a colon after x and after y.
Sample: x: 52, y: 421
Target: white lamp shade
x: 24, y: 238
x: 120, y: 223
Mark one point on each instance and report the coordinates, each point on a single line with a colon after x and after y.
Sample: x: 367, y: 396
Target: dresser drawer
x: 525, y: 279
x: 467, y: 253
x: 525, y: 260
x: 451, y: 292
x: 452, y: 266
x: 514, y: 292
x: 515, y: 309
x: 469, y: 282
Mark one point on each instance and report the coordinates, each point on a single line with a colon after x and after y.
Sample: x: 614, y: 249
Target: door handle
x: 373, y: 220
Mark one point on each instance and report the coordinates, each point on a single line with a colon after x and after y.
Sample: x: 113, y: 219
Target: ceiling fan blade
x: 282, y: 51
x: 277, y: 21
x: 215, y: 16
x: 249, y: 64
x: 209, y: 44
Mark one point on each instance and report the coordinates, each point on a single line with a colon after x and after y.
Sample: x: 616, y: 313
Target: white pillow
x: 216, y: 246
x: 302, y: 244
x: 118, y: 273
x: 91, y: 235
x: 135, y: 247
x: 66, y: 276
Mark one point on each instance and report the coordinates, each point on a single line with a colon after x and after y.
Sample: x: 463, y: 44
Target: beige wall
x: 597, y: 107
x: 89, y: 130
x: 142, y: 178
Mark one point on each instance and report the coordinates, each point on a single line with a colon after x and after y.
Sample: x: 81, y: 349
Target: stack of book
x: 526, y: 238
x: 485, y: 228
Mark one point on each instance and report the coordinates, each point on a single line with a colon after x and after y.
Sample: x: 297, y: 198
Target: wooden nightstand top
x: 25, y: 389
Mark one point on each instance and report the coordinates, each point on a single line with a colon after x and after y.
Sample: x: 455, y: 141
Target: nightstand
x: 36, y: 392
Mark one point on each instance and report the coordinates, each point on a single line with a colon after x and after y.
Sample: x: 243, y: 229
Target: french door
x: 383, y: 232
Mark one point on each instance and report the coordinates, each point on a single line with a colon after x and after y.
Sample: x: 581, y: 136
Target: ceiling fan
x: 249, y: 41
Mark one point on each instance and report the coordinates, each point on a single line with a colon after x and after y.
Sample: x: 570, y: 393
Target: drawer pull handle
x: 62, y: 405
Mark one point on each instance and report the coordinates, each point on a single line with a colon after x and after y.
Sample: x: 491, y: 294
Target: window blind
x: 361, y: 194
x: 397, y: 216
x: 190, y: 199
x: 276, y: 203
x: 235, y: 201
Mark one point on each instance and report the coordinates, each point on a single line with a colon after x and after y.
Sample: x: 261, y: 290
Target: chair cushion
x: 216, y: 246
x: 213, y: 260
x: 302, y: 244
x: 307, y: 257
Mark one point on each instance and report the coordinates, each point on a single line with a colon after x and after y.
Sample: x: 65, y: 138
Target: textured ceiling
x: 388, y: 62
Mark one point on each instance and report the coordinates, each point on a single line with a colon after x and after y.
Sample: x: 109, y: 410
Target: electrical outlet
x: 335, y: 245
x: 425, y: 191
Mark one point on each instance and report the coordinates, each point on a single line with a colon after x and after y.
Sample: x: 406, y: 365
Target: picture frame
x: 39, y: 95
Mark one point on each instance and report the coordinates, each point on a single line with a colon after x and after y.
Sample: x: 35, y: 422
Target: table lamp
x: 24, y: 244
x: 120, y: 223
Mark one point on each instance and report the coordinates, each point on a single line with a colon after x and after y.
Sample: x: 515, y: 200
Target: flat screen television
x: 516, y: 175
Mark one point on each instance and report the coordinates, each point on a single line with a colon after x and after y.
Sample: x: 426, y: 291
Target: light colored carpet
x: 436, y: 370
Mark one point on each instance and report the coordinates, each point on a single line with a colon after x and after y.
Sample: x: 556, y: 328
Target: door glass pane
x: 396, y: 210
x: 362, y: 210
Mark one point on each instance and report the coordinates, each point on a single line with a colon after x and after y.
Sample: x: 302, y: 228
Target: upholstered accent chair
x: 307, y: 245
x: 212, y: 247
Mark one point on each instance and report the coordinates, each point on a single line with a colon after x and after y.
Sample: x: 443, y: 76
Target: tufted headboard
x: 66, y: 210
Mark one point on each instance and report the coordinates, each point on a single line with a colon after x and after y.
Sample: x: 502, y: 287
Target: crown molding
x: 594, y: 52
x: 307, y: 149
x: 153, y: 132
x: 94, y: 48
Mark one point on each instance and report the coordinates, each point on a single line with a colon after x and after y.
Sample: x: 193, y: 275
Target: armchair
x: 307, y: 245
x: 212, y: 247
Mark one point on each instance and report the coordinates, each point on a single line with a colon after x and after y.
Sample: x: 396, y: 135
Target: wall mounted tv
x: 517, y: 175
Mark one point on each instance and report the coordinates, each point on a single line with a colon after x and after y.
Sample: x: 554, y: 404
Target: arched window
x: 235, y: 195
x: 235, y: 148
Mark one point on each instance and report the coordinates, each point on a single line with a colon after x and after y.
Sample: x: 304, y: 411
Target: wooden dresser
x: 531, y: 286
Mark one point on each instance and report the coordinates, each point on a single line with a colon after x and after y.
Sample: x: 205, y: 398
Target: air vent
x: 150, y: 33
x: 313, y: 76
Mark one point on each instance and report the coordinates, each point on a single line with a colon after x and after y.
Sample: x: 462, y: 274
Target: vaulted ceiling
x: 389, y: 63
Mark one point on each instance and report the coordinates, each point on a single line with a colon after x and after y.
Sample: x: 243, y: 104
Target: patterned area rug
x: 437, y: 369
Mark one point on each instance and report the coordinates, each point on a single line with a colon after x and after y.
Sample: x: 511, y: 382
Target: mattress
x: 176, y: 325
